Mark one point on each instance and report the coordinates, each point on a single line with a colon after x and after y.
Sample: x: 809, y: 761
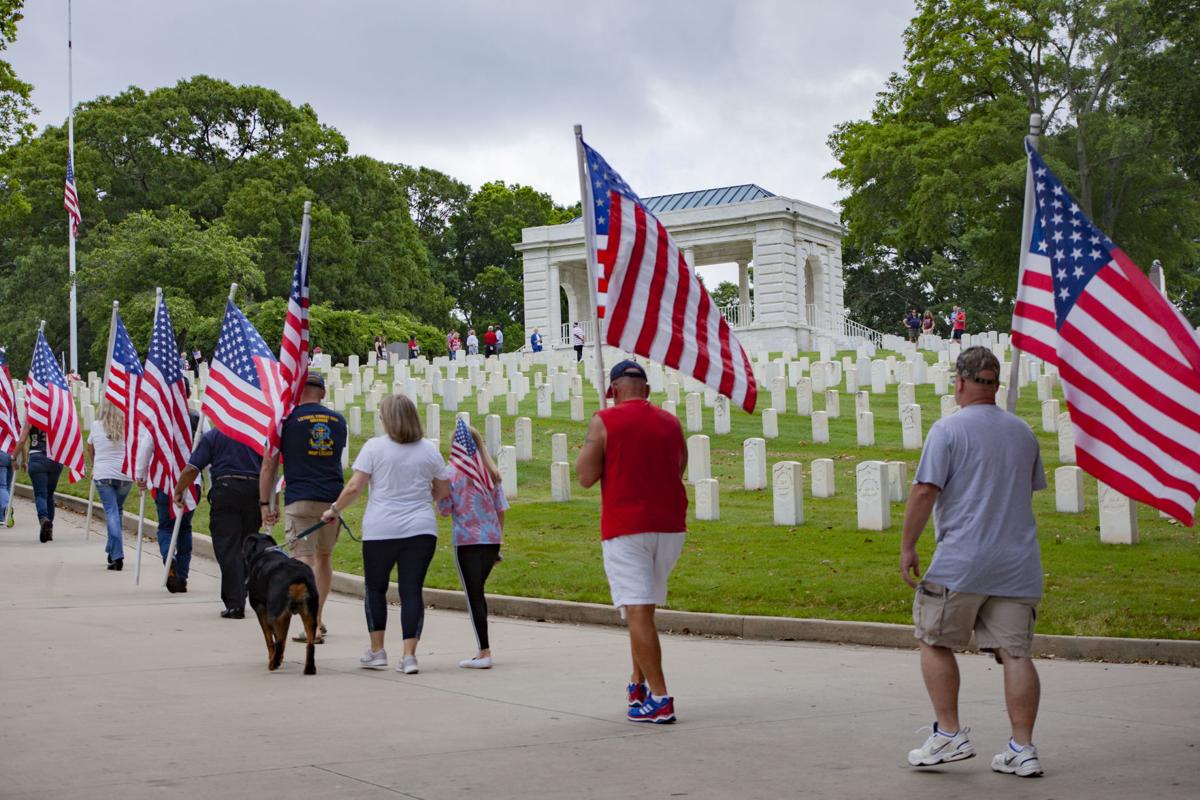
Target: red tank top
x: 641, y: 490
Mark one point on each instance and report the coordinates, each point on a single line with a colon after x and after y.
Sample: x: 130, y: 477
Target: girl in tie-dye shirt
x: 478, y: 528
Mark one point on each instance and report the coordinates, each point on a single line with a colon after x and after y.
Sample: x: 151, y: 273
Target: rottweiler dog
x: 278, y: 587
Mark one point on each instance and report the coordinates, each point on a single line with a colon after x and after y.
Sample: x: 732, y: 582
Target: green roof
x: 705, y: 198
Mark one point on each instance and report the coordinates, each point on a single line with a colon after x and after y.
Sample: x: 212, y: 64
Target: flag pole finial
x: 1035, y: 124
x: 578, y: 129
x: 42, y: 326
x: 232, y: 291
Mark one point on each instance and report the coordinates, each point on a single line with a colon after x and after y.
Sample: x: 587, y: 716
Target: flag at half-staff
x: 162, y: 406
x: 244, y: 395
x: 649, y: 300
x: 124, y: 375
x: 293, y: 349
x: 50, y: 408
x: 71, y: 199
x: 1128, y: 360
x: 9, y: 426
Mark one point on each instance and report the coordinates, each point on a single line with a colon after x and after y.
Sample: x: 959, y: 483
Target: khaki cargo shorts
x: 302, y: 515
x: 947, y: 619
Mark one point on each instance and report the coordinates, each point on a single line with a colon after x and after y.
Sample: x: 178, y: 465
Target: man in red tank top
x: 637, y: 452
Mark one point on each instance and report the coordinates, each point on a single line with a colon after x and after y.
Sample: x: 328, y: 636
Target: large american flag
x: 244, y: 394
x: 162, y: 407
x: 1128, y: 360
x: 50, y: 407
x: 71, y: 199
x: 124, y: 375
x: 653, y: 303
x: 465, y: 456
x: 293, y: 350
x: 9, y: 427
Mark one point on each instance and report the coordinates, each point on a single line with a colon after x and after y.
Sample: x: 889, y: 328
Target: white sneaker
x: 940, y: 748
x: 408, y: 665
x: 373, y: 659
x: 479, y: 662
x: 1024, y: 763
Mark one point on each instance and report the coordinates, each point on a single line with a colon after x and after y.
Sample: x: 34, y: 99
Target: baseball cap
x: 315, y: 379
x: 626, y: 369
x: 974, y: 360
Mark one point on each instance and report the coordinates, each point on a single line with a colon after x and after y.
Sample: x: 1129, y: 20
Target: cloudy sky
x: 676, y: 95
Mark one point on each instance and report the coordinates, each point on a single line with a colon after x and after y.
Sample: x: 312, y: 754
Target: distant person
x: 197, y: 358
x: 960, y: 323
x: 912, y: 324
x: 478, y: 529
x: 455, y: 345
x: 44, y: 473
x: 535, y: 341
x: 381, y: 351
x: 577, y: 341
x: 106, y: 451
x: 184, y: 363
x: 414, y: 349
x: 927, y: 323
x: 636, y: 450
x: 489, y: 342
x: 472, y: 343
x: 977, y: 474
x: 450, y: 343
x: 499, y: 340
x: 406, y: 475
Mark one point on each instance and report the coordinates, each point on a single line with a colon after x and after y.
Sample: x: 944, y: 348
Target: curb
x: 1183, y: 652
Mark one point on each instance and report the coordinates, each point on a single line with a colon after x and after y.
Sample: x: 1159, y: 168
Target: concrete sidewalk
x: 111, y: 690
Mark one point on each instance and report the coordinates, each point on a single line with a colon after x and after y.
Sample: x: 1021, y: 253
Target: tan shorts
x: 302, y: 515
x: 1001, y: 624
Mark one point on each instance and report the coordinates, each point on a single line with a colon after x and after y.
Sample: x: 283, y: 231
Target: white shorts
x: 638, y: 566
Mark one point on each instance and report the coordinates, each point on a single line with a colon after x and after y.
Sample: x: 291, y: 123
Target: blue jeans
x: 44, y: 474
x: 6, y: 476
x: 112, y: 495
x: 166, y: 525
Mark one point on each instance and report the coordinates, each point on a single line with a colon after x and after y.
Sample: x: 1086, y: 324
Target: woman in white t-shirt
x: 407, y: 475
x: 106, y: 448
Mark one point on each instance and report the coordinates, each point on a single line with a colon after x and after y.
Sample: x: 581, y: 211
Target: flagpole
x: 1014, y: 369
x: 589, y: 240
x: 137, y: 571
x: 179, y: 513
x: 112, y: 338
x: 70, y: 226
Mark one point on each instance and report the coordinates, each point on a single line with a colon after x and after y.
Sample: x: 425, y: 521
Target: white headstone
x: 822, y: 478
x: 949, y: 406
x: 851, y: 380
x: 465, y: 416
x: 352, y: 362
x: 345, y: 458
x: 941, y: 380
x: 770, y: 424
x: 708, y: 499
x: 819, y: 377
x: 88, y: 412
x: 483, y: 402
x: 433, y: 422
x: 754, y: 454
x: 779, y: 393
x: 1118, y: 516
x: 804, y: 397
x: 356, y: 421
x: 558, y: 447
x: 833, y: 403
x: 512, y: 406
x: 694, y: 420
x: 879, y: 371
x: 866, y: 429
x: 910, y: 426
x: 1066, y: 439
x: 673, y: 391
x: 543, y: 400
x: 669, y: 407
x: 1045, y: 388
x: 897, y: 473
x: 1069, y: 496
x: 820, y: 427
x: 1049, y: 415
x: 721, y: 414
x: 450, y: 394
x: 562, y: 387
x: 378, y: 423
x: 491, y: 434
x: 524, y: 438
x: 906, y: 394
x: 507, y: 464
x: 862, y: 402
x: 874, y: 512
x: 699, y: 461
x: 787, y: 481
x: 577, y: 408
x: 560, y: 482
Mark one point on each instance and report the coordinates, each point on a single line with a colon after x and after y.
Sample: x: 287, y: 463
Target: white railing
x: 589, y: 331
x: 841, y: 326
x: 738, y: 315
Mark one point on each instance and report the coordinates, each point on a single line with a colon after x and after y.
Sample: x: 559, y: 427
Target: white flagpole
x: 589, y: 246
x: 1014, y: 370
x: 112, y: 339
x: 137, y: 571
x: 70, y: 227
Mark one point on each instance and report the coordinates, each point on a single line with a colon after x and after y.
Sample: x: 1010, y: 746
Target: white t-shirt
x: 109, y: 454
x: 576, y: 336
x: 400, y: 503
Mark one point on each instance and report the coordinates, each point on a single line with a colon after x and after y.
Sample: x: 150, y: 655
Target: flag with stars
x: 244, y: 395
x: 651, y: 302
x: 124, y: 373
x: 293, y: 349
x: 1128, y: 360
x: 162, y: 407
x: 9, y: 427
x: 465, y: 457
x: 49, y: 407
x: 71, y: 199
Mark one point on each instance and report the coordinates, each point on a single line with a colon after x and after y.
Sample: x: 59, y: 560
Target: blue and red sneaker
x: 661, y: 711
x: 638, y: 692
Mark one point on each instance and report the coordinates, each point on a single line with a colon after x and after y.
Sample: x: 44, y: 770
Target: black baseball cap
x: 627, y: 369
x: 315, y: 379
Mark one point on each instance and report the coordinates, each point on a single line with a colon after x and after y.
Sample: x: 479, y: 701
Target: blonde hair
x: 487, y: 457
x: 112, y: 419
x: 400, y: 419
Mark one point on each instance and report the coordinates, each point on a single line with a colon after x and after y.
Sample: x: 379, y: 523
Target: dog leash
x: 291, y: 543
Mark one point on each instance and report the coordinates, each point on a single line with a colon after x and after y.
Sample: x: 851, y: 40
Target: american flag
x: 124, y: 374
x: 50, y: 407
x: 244, y: 394
x: 1128, y: 360
x: 9, y: 428
x: 293, y: 350
x: 71, y: 199
x: 654, y: 304
x: 162, y: 407
x: 465, y: 456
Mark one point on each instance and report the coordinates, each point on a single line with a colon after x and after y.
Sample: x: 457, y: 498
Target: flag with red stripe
x: 244, y: 395
x: 293, y: 350
x: 162, y: 407
x: 9, y: 427
x: 466, y: 458
x: 1128, y: 360
x: 124, y: 373
x: 652, y: 301
x: 71, y: 199
x: 49, y: 407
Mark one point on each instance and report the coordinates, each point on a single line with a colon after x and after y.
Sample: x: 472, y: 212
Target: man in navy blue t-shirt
x: 314, y: 437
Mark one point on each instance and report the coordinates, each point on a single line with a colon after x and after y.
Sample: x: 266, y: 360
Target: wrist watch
x: 333, y: 507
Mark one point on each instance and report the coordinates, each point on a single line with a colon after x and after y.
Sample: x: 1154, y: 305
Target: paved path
x: 110, y: 690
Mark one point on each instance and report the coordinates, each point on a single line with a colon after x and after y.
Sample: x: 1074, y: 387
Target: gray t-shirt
x: 987, y: 464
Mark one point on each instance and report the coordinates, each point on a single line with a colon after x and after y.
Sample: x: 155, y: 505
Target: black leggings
x: 475, y: 562
x: 410, y: 557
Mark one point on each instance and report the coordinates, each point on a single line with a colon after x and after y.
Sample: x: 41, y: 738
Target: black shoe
x: 182, y: 587
x: 44, y: 533
x: 117, y: 565
x: 233, y: 613
x: 173, y: 580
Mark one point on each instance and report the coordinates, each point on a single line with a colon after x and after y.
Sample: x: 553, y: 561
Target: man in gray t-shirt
x: 978, y: 472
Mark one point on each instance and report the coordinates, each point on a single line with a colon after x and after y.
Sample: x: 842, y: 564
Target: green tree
x: 15, y: 104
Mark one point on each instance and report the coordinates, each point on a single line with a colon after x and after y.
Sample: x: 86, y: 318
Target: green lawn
x: 825, y: 568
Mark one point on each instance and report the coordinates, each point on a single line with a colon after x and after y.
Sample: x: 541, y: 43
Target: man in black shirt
x: 313, y: 440
x: 234, y: 469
